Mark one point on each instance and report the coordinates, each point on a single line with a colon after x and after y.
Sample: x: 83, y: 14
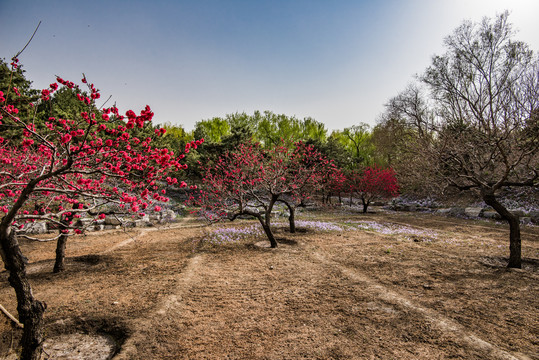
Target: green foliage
x: 64, y: 105
x: 212, y: 130
x: 357, y: 140
x: 176, y: 137
x: 315, y: 130
x: 16, y: 79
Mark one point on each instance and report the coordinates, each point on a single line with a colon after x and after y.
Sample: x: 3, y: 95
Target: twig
x: 11, y: 317
x: 28, y: 43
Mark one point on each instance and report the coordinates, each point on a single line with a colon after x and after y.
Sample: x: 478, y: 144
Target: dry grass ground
x: 385, y: 286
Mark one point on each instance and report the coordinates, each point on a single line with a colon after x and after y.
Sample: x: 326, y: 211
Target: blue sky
x: 336, y: 61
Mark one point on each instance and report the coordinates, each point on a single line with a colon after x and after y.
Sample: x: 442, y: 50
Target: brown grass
x: 351, y: 294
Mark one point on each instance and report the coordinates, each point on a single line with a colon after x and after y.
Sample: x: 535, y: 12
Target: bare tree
x: 485, y: 97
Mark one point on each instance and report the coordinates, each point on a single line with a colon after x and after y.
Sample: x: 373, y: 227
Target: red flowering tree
x: 305, y: 171
x: 251, y: 180
x: 333, y: 183
x: 235, y: 186
x: 374, y: 183
x: 67, y: 168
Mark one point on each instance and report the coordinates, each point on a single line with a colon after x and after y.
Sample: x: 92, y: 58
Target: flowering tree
x: 305, y: 170
x: 233, y: 187
x: 251, y: 180
x: 66, y: 168
x: 374, y: 183
x: 333, y: 183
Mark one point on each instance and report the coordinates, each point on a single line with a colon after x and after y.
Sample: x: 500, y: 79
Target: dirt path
x: 298, y: 301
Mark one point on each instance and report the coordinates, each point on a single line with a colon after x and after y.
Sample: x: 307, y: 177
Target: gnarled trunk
x: 59, y: 264
x: 30, y: 310
x: 515, y: 251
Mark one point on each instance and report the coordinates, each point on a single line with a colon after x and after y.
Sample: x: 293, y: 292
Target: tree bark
x: 291, y: 218
x: 267, y: 231
x: 59, y: 264
x: 515, y: 251
x: 269, y: 234
x: 266, y: 222
x: 365, y: 205
x: 30, y: 310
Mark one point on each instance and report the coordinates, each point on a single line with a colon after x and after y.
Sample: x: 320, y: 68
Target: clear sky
x: 338, y: 61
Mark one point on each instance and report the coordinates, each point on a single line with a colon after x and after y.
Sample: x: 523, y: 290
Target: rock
x: 534, y: 216
x: 443, y: 211
x: 517, y: 212
x: 168, y: 215
x: 84, y: 222
x: 99, y: 227
x: 491, y: 214
x: 142, y: 223
x: 454, y: 211
x: 112, y: 220
x: 37, y: 227
x: 155, y: 218
x: 473, y: 211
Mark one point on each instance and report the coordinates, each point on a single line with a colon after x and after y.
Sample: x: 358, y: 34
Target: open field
x: 346, y: 286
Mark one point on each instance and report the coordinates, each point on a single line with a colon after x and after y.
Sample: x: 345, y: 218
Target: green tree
x: 277, y: 129
x: 212, y: 130
x: 312, y: 129
x: 357, y: 140
x: 17, y: 91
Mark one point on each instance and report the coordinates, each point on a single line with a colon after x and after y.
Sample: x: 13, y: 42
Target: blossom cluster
x: 254, y: 178
x: 75, y: 165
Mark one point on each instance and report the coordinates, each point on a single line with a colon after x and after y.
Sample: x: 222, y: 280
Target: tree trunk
x: 30, y: 310
x: 515, y: 251
x: 59, y: 264
x: 267, y: 223
x: 365, y: 205
x: 291, y: 218
x: 340, y: 200
x: 268, y: 232
x: 350, y: 199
